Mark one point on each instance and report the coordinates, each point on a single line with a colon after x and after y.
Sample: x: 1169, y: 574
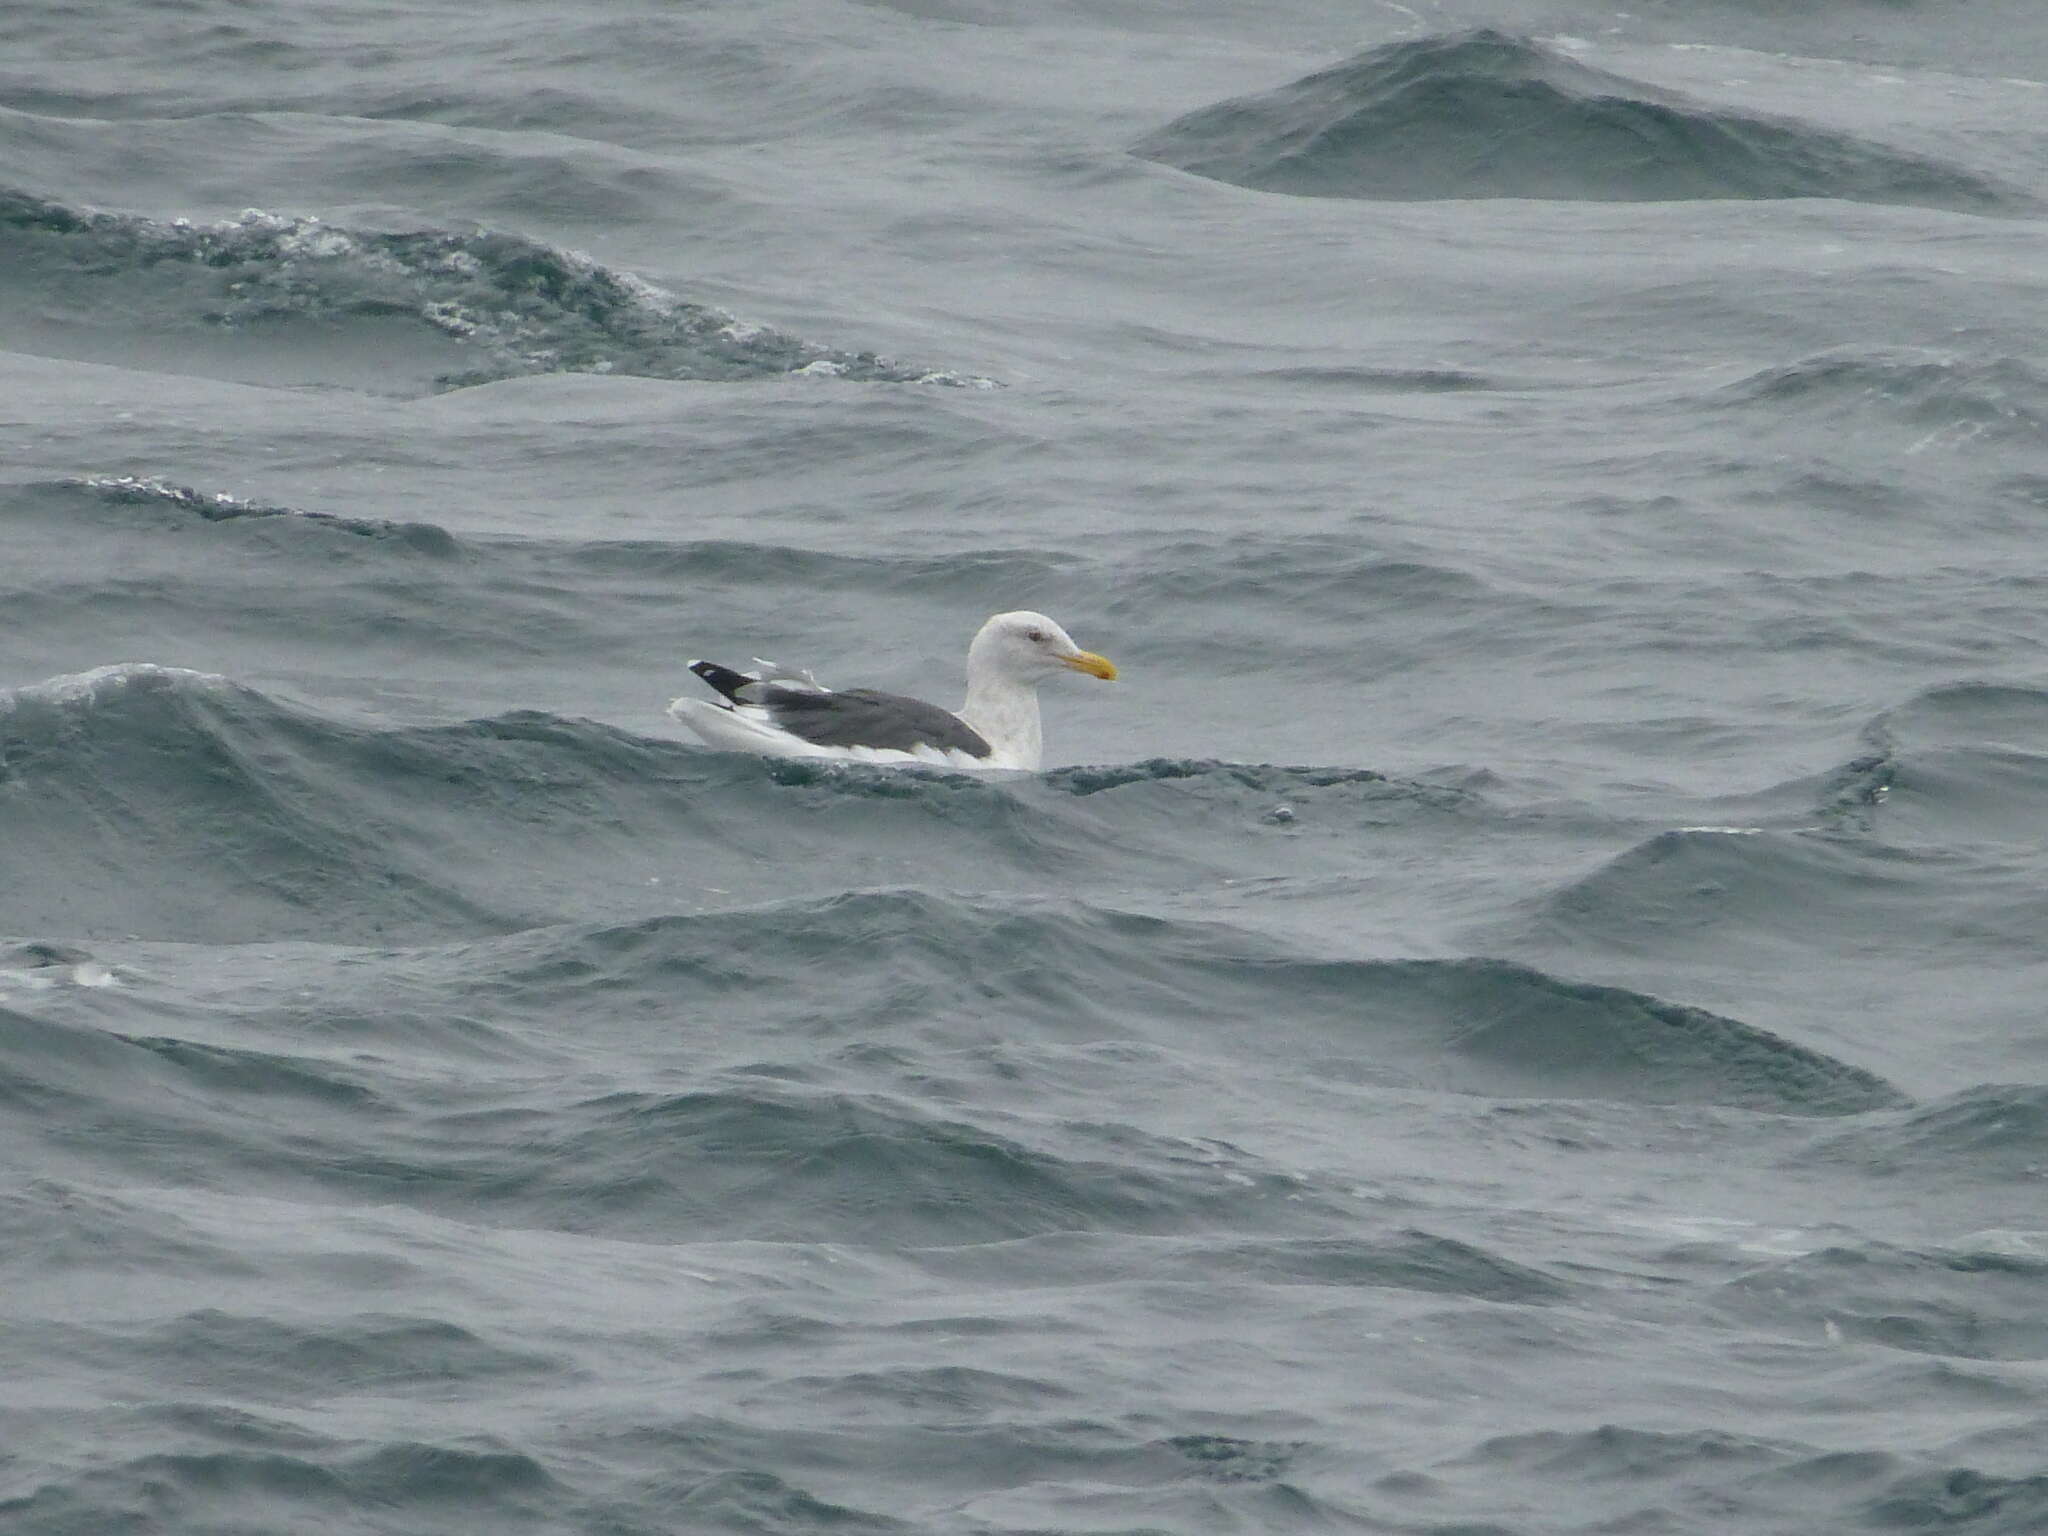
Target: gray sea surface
x: 1521, y: 1013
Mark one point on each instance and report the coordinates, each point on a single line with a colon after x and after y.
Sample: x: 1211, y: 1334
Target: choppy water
x: 1521, y: 1013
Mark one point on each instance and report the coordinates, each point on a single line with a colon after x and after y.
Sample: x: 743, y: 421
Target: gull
x: 784, y: 712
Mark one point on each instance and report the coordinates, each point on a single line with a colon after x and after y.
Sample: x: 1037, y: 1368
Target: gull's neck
x: 1005, y: 711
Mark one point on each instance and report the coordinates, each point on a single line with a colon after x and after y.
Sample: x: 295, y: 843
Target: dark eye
x: 1034, y: 634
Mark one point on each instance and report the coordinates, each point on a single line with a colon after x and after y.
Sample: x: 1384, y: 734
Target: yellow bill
x: 1092, y: 664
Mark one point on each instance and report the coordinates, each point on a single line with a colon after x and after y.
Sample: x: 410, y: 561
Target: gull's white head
x: 1030, y: 648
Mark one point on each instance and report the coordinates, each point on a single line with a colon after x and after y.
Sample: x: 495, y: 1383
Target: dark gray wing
x: 866, y: 717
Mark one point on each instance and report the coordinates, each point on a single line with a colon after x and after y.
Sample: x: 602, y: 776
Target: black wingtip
x: 722, y: 679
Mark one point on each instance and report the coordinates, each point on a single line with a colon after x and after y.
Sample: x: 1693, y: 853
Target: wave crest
x: 1484, y: 114
x: 500, y: 304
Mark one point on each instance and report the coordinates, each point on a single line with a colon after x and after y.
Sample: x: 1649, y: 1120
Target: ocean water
x: 1520, y: 1014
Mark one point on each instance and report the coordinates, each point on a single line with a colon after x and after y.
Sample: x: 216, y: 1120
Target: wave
x: 1070, y: 973
x: 1958, y: 1303
x: 1902, y: 845
x: 990, y: 573
x: 752, y: 1500
x: 2009, y: 717
x: 172, y: 804
x: 1696, y: 888
x: 1968, y: 767
x: 1770, y: 903
x: 1263, y: 779
x: 38, y: 966
x: 1629, y: 1456
x: 1996, y: 1131
x: 713, y: 561
x: 51, y: 1226
x: 877, y: 1067
x: 751, y: 1153
x: 230, y: 816
x: 282, y: 299
x: 1752, y: 1482
x: 1962, y: 1498
x: 243, y: 1357
x: 1423, y: 1262
x: 233, y: 816
x: 755, y: 1158
x: 1324, y: 576
x: 1505, y: 1030
x: 239, y: 1488
x: 1484, y: 114
x: 221, y: 506
x: 1937, y: 391
x: 1362, y: 380
x: 179, y: 805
